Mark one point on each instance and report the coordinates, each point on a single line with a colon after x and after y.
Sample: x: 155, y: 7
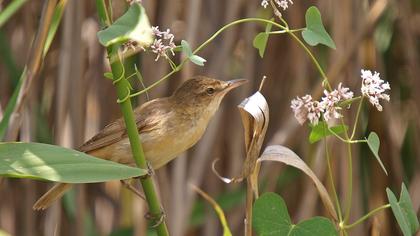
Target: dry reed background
x: 71, y: 100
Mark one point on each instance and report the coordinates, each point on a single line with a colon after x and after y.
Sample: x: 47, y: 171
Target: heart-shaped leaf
x: 133, y: 25
x: 197, y: 60
x: 315, y: 32
x: 58, y: 164
x: 320, y: 131
x: 260, y: 41
x: 403, y: 211
x: 373, y: 143
x: 270, y: 217
x: 186, y: 48
x: 193, y: 58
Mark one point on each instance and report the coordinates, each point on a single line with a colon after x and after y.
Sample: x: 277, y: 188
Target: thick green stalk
x: 123, y: 93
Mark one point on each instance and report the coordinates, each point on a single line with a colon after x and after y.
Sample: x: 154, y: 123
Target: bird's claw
x: 150, y: 171
x: 156, y: 219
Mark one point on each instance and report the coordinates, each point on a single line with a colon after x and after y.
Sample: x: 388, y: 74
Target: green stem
x: 121, y: 85
x: 359, y: 108
x: 363, y: 218
x: 331, y: 178
x: 199, y: 48
x: 11, y: 9
x: 314, y: 60
x: 349, y: 176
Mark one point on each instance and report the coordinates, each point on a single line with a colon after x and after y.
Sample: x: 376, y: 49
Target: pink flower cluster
x: 164, y: 41
x: 305, y: 108
x: 284, y: 4
x: 374, y: 88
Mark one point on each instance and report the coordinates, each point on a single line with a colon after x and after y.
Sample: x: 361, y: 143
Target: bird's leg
x: 157, y: 219
x: 150, y: 171
x: 129, y: 186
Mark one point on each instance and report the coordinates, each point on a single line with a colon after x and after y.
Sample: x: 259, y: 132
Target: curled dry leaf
x: 254, y: 113
x: 285, y: 155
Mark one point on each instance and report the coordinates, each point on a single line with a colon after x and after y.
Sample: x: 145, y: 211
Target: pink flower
x: 331, y: 99
x: 374, y: 88
x: 305, y: 108
x: 164, y: 41
x: 264, y: 3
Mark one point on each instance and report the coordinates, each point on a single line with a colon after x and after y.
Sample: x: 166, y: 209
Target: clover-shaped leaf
x: 315, y: 32
x: 270, y: 217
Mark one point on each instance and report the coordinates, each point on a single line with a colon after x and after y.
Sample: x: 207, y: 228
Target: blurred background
x: 70, y: 100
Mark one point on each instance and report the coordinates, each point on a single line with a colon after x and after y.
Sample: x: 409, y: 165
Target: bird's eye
x: 210, y: 91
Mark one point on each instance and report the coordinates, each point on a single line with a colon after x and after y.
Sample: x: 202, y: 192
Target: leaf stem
x: 359, y: 108
x: 122, y: 85
x: 349, y: 176
x: 204, y: 44
x: 363, y: 218
x: 313, y: 58
x: 331, y: 178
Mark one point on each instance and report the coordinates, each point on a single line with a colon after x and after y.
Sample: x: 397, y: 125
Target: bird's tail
x: 51, y: 196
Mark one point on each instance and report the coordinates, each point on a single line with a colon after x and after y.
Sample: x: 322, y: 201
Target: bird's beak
x: 231, y: 84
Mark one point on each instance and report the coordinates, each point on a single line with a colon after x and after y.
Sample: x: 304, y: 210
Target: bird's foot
x: 150, y: 171
x: 157, y: 219
x: 129, y: 186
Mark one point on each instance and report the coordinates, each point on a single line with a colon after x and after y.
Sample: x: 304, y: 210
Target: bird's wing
x: 114, y: 132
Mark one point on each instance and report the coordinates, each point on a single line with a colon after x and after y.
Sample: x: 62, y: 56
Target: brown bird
x: 167, y: 127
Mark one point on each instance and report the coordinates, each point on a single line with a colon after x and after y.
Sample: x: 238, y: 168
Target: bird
x: 167, y: 127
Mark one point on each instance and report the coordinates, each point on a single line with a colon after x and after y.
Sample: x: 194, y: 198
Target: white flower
x: 315, y: 110
x: 299, y: 109
x: 331, y: 99
x: 305, y: 108
x: 344, y: 93
x: 164, y: 41
x: 284, y: 4
x: 374, y: 88
x: 264, y: 3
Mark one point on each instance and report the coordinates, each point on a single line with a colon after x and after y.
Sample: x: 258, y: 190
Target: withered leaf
x: 285, y: 155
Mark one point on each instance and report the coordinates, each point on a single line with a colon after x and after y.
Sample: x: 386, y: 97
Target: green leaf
x: 10, y: 10
x: 108, y: 75
x: 260, y: 41
x: 403, y: 211
x: 186, y: 48
x: 217, y: 208
x: 58, y: 164
x: 133, y: 25
x: 193, y: 58
x: 373, y: 143
x: 270, y: 217
x: 197, y: 60
x: 408, y: 210
x: 315, y: 32
x: 55, y: 23
x: 320, y: 131
x: 11, y: 106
